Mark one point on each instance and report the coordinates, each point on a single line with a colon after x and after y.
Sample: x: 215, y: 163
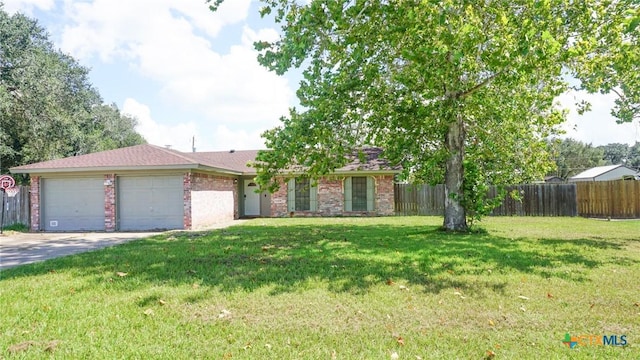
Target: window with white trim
x: 302, y: 195
x: 359, y: 193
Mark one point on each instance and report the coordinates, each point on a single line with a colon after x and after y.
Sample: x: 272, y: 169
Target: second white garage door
x: 150, y: 203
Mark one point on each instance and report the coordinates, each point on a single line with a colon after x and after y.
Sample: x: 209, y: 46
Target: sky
x: 187, y: 73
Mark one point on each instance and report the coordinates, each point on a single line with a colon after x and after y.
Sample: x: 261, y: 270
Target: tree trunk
x: 454, y: 213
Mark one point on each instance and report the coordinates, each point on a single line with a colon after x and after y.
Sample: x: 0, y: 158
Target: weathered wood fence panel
x: 537, y: 200
x: 419, y: 199
x: 16, y: 209
x: 619, y: 199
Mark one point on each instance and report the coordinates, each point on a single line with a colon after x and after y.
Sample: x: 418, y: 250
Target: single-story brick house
x: 146, y: 187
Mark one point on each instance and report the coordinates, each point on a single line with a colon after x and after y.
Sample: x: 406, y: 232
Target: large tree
x: 459, y: 92
x: 48, y: 108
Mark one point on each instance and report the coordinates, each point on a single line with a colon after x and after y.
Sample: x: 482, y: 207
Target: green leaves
x: 397, y: 74
x: 48, y: 108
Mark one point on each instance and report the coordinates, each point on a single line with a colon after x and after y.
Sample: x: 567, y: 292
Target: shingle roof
x: 232, y: 160
x: 133, y: 156
x: 145, y: 157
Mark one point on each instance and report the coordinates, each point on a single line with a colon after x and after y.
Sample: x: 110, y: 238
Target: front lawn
x: 336, y: 288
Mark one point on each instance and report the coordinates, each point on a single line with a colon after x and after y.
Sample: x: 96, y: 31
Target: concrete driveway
x: 24, y: 248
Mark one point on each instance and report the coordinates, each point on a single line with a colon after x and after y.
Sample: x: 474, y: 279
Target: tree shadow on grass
x: 346, y: 258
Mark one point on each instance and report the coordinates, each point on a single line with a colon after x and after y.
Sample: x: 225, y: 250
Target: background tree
x: 48, y: 108
x: 457, y: 92
x: 615, y: 153
x: 634, y: 156
x: 573, y: 156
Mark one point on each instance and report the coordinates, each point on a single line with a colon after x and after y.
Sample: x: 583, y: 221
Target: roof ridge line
x: 177, y: 153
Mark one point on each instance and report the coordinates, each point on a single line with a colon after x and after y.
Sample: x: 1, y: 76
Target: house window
x: 302, y: 195
x: 359, y: 193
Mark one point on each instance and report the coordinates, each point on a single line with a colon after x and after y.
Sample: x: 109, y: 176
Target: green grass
x: 338, y: 288
x: 16, y: 227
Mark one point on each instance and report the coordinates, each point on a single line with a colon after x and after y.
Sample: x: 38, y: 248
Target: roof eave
x: 337, y: 172
x: 116, y: 169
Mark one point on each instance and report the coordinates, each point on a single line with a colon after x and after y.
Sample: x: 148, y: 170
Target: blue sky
x: 184, y: 71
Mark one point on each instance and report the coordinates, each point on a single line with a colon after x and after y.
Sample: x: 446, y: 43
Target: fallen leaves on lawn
x: 523, y: 297
x: 162, y: 302
x: 459, y: 294
x: 51, y: 346
x: 224, y: 313
x: 490, y: 354
x: 390, y: 282
x: 491, y: 323
x: 21, y: 347
x: 149, y: 312
x: 402, y: 287
x: 400, y: 341
x: 121, y: 274
x: 549, y: 296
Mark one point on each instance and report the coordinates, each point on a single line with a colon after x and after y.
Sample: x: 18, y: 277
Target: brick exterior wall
x: 186, y: 198
x: 331, y: 198
x: 385, y: 197
x: 279, y: 200
x: 212, y: 199
x: 110, y: 202
x: 35, y: 203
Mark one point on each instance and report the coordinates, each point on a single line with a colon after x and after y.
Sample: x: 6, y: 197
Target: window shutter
x: 348, y: 203
x: 313, y: 198
x: 371, y: 194
x: 291, y: 194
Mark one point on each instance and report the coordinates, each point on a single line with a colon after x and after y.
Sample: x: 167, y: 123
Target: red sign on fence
x: 6, y: 182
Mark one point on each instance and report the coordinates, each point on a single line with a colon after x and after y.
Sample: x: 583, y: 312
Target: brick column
x: 186, y: 188
x: 35, y: 203
x: 385, y: 195
x: 110, y: 202
x: 279, y: 200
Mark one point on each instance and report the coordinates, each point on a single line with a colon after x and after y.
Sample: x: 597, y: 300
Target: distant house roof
x: 598, y: 171
x: 151, y: 157
x: 553, y: 179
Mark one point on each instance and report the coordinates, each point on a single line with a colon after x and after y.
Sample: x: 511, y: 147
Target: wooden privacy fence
x: 618, y: 199
x: 537, y: 200
x: 16, y: 209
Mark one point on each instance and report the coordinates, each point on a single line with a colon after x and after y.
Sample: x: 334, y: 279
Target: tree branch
x: 477, y: 87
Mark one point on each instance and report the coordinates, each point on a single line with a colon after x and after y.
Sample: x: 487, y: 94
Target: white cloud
x: 597, y: 126
x: 171, y: 43
x: 224, y: 138
x: 178, y: 136
x: 27, y: 6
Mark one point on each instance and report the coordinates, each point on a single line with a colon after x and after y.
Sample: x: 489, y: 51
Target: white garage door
x: 150, y: 203
x: 73, y: 204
